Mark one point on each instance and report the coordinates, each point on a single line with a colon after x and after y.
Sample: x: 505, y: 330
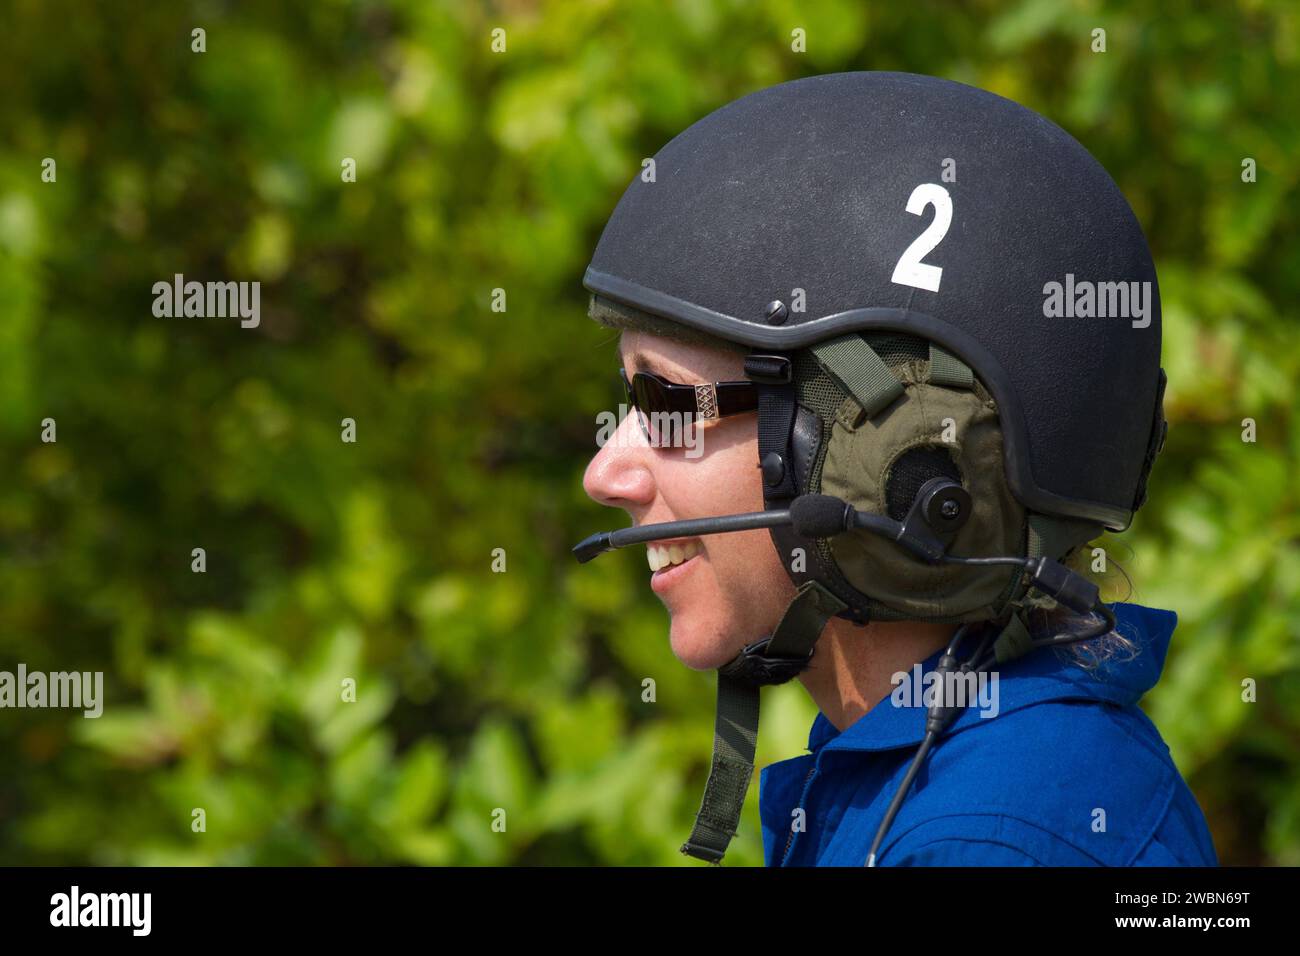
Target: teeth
x: 661, y: 557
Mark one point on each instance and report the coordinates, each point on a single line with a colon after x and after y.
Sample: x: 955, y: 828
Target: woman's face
x: 721, y: 591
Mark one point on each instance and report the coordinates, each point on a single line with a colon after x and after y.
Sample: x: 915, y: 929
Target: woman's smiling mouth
x: 669, y: 561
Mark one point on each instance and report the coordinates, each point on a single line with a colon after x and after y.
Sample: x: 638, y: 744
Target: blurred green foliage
x: 475, y: 171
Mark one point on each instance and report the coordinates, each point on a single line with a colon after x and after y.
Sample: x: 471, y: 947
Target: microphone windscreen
x: 818, y: 516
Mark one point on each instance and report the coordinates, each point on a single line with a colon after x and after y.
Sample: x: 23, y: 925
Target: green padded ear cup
x: 859, y: 455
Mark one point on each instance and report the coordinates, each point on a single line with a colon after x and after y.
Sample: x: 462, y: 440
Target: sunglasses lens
x: 649, y: 393
x: 649, y: 400
x: 654, y: 408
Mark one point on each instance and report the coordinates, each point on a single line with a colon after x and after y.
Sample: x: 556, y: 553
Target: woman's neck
x: 853, y: 667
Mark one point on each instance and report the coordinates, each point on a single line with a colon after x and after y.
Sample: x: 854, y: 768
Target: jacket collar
x: 1043, y: 675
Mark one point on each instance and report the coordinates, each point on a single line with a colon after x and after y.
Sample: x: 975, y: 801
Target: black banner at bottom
x: 333, y: 906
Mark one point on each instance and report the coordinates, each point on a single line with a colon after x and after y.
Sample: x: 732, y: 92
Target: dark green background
x: 476, y: 171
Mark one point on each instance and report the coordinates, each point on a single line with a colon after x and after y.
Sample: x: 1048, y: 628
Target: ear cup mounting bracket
x: 938, y: 513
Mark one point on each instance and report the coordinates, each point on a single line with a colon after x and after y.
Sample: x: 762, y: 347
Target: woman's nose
x: 619, y: 475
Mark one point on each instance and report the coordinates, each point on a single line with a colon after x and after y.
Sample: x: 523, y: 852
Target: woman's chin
x: 700, y: 648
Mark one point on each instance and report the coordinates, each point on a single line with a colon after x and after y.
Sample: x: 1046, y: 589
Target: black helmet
x: 825, y: 185
x: 901, y: 254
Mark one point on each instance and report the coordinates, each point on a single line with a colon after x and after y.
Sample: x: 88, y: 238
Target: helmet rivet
x: 950, y: 509
x: 777, y: 313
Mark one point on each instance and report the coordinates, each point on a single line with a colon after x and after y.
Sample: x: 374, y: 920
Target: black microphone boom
x: 813, y: 516
x: 604, y: 541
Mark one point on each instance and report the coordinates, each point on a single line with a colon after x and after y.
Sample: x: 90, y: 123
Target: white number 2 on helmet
x: 910, y: 269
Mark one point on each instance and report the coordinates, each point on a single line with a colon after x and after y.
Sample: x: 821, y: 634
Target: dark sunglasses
x: 654, y: 397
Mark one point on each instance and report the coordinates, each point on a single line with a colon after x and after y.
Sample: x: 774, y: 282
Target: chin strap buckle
x: 752, y: 666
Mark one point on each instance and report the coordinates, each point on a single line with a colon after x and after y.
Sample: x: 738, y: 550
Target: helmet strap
x: 773, y: 660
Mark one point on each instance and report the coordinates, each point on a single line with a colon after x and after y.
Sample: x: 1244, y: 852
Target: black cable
x: 1008, y: 560
x: 926, y: 744
x: 1060, y: 640
x: 958, y: 636
x: 936, y: 721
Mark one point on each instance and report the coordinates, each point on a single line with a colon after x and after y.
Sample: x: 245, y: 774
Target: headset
x: 938, y: 512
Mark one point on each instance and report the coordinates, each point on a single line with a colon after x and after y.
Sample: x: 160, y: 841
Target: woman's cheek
x: 756, y: 581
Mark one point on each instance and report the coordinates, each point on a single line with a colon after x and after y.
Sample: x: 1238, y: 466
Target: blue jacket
x: 1070, y: 772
